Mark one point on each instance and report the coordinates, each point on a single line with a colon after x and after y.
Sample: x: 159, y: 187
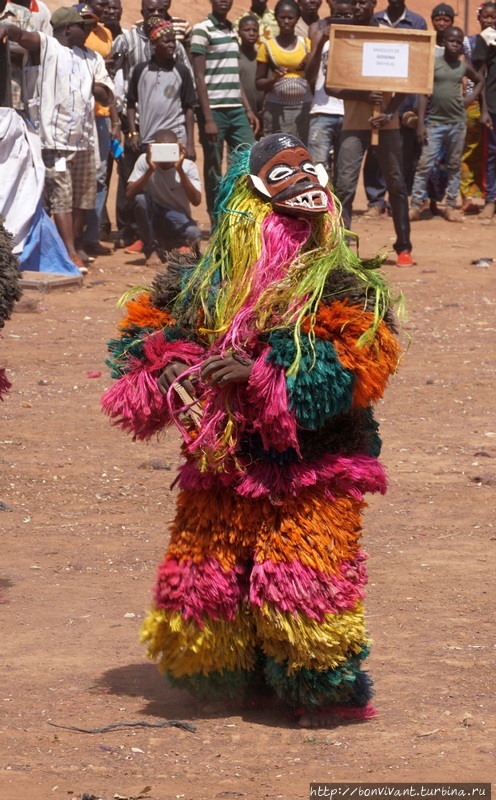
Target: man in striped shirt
x: 224, y: 114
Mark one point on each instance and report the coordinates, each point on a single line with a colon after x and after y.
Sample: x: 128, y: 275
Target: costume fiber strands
x: 10, y: 290
x: 263, y: 581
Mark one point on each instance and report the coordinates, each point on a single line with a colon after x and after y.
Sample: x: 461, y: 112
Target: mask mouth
x: 314, y: 200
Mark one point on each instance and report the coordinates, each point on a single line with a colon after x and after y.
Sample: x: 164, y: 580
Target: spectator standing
x: 289, y: 94
x: 111, y: 17
x: 484, y: 56
x: 40, y: 15
x: 396, y: 15
x: 446, y: 127
x: 442, y: 17
x: 70, y: 77
x: 128, y: 50
x: 267, y: 24
x: 248, y: 31
x: 224, y: 114
x: 99, y: 39
x: 473, y: 160
x: 14, y: 14
x: 355, y: 141
x: 163, y: 194
x: 164, y: 93
x: 326, y: 114
x: 309, y: 15
x: 182, y: 28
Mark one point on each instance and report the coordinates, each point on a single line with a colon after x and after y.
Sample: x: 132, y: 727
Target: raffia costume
x: 263, y: 581
x: 10, y: 291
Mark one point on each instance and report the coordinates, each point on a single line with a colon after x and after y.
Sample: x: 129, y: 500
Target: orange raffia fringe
x: 371, y: 362
x: 142, y: 314
x: 309, y: 644
x: 312, y: 528
x: 183, y: 648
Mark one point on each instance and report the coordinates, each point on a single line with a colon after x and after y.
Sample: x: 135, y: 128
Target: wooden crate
x: 377, y: 59
x: 47, y: 281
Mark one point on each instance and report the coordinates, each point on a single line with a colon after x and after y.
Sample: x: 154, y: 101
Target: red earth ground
x: 89, y: 524
x: 88, y: 527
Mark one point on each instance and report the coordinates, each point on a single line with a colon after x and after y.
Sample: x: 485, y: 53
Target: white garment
x: 22, y: 175
x: 60, y: 94
x: 324, y: 103
x: 41, y: 18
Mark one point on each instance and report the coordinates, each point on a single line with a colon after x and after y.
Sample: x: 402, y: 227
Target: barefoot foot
x: 317, y: 719
x: 154, y: 260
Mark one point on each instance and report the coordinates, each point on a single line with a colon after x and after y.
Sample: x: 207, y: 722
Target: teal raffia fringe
x: 322, y: 387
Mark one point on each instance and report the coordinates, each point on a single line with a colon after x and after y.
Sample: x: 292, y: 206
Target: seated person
x: 162, y: 195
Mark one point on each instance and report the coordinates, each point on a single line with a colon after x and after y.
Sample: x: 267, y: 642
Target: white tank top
x: 322, y: 102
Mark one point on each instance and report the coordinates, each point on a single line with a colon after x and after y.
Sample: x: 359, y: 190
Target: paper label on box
x: 60, y: 165
x: 385, y: 59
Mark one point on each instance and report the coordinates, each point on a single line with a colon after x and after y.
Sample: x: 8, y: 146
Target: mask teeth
x: 310, y: 200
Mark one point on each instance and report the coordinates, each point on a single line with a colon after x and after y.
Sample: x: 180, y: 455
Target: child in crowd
x: 248, y: 31
x: 447, y: 123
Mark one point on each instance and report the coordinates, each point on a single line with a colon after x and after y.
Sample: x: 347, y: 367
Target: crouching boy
x: 163, y: 193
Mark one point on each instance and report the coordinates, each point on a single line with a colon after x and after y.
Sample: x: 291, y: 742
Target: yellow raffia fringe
x: 182, y: 648
x: 307, y: 643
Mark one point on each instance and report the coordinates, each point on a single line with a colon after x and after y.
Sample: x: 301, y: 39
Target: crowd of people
x: 99, y: 95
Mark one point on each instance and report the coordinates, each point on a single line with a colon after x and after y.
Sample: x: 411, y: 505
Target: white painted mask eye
x: 310, y: 168
x: 280, y: 172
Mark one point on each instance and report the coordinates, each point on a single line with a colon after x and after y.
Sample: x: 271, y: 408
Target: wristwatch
x: 390, y: 117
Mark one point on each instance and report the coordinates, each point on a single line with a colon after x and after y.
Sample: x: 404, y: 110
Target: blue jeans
x: 173, y: 227
x: 233, y: 129
x: 491, y: 163
x: 94, y: 216
x: 323, y: 137
x: 354, y: 145
x: 452, y: 139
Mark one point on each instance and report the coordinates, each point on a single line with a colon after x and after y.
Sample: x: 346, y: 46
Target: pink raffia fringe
x: 350, y: 713
x: 299, y: 589
x: 267, y: 408
x: 5, y: 384
x: 354, y: 475
x: 208, y: 591
x: 202, y: 590
x: 134, y: 402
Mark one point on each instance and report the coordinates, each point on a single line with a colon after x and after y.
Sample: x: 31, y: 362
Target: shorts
x: 73, y: 188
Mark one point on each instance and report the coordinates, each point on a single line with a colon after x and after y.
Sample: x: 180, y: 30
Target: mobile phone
x: 164, y: 152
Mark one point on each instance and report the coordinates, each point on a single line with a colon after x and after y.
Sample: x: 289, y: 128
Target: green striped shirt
x: 218, y: 42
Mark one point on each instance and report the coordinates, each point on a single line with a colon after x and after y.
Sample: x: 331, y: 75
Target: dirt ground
x: 88, y: 527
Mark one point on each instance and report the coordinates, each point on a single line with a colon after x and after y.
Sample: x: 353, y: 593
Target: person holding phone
x: 163, y: 193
